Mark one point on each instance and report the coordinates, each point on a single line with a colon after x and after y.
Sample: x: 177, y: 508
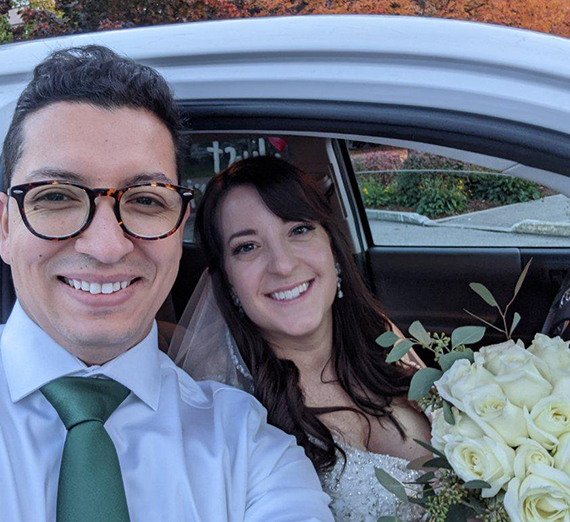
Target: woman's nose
x: 283, y: 258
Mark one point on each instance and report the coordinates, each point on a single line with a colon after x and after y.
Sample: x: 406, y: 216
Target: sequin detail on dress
x: 356, y: 494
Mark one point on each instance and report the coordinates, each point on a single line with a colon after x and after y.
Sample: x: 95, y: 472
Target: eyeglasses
x: 57, y: 210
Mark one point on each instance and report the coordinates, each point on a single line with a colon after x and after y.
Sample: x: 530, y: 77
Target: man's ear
x: 4, y: 228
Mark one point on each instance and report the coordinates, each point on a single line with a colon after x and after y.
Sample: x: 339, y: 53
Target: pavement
x: 540, y: 223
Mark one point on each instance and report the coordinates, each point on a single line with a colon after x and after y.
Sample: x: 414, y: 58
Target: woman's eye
x: 243, y: 249
x: 302, y: 229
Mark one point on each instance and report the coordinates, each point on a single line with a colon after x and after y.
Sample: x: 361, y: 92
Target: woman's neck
x: 310, y: 353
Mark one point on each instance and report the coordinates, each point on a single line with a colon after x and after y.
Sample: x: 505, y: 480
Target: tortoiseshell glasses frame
x: 19, y: 192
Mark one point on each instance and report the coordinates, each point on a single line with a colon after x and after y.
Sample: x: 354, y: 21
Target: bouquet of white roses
x: 500, y: 425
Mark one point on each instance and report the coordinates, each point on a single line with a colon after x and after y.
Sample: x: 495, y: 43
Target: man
x: 96, y: 423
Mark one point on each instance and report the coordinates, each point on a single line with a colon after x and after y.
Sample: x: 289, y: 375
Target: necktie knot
x: 79, y: 399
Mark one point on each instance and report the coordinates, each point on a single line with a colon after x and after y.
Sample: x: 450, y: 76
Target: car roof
x: 476, y: 68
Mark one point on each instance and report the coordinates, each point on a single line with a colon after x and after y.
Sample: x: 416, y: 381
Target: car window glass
x: 209, y: 154
x: 416, y: 198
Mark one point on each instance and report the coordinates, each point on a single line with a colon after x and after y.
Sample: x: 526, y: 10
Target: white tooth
x: 281, y: 295
x: 95, y: 288
x: 85, y: 286
x: 76, y: 284
x: 296, y: 292
x: 124, y: 284
x: 288, y: 294
x: 107, y: 288
x: 116, y: 287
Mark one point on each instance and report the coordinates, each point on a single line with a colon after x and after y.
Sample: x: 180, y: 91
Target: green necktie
x: 90, y: 482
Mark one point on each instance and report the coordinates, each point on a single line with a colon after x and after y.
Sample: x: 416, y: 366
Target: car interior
x: 414, y: 280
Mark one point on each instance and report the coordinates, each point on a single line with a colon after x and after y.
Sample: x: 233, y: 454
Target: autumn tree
x: 55, y: 17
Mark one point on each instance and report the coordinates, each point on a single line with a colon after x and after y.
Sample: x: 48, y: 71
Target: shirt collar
x: 31, y: 358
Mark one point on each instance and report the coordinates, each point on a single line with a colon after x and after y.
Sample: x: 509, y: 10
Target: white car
x: 354, y: 99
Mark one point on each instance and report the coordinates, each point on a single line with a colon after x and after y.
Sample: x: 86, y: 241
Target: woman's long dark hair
x: 358, y: 362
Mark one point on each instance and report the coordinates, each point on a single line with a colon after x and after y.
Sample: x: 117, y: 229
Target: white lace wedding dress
x: 356, y: 494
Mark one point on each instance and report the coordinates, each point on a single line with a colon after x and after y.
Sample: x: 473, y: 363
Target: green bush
x: 426, y: 191
x: 441, y: 196
x: 376, y: 194
x: 502, y: 189
x: 6, y: 35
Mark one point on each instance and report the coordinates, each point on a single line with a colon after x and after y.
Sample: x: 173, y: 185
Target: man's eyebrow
x: 49, y: 173
x: 147, y: 178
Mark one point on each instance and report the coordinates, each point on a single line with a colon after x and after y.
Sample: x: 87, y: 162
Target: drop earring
x: 339, y: 292
x: 237, y: 302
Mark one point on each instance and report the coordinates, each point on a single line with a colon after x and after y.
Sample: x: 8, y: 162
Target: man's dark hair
x: 97, y: 76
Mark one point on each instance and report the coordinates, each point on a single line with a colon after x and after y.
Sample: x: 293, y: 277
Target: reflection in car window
x: 209, y: 155
x: 417, y: 198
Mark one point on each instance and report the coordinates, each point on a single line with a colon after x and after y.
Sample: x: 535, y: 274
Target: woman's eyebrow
x: 240, y: 233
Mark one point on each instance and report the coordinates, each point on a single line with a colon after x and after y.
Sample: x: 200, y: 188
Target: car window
x: 209, y: 154
x: 418, y: 198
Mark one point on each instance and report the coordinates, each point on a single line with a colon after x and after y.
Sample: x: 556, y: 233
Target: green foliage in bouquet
x: 439, y: 489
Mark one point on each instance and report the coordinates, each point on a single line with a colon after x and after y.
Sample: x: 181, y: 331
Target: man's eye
x: 53, y: 197
x: 302, y: 229
x: 146, y: 201
x: 243, y: 249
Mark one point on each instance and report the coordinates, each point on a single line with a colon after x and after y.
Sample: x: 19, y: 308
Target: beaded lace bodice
x: 356, y: 494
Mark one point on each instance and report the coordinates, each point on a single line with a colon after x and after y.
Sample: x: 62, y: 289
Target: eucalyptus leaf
x: 477, y: 484
x: 438, y: 462
x: 387, y: 339
x: 422, y: 382
x: 458, y: 513
x: 429, y: 448
x: 400, y: 349
x: 521, y: 278
x: 448, y: 414
x: 466, y: 335
x: 516, y: 319
x: 446, y: 361
x: 484, y: 293
x: 391, y: 484
x: 419, y: 462
x: 426, y: 478
x: 418, y: 331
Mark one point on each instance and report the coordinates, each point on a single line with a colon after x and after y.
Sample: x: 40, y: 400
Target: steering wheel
x: 557, y: 321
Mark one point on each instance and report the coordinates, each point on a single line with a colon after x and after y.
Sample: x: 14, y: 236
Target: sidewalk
x: 547, y: 216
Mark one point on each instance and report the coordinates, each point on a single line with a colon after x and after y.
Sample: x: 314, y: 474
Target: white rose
x: 490, y: 355
x: 460, y: 380
x: 544, y: 495
x: 442, y: 431
x: 562, y: 455
x: 489, y: 407
x: 482, y: 459
x: 560, y: 379
x: 548, y: 420
x: 528, y: 453
x: 521, y: 376
x: 553, y: 351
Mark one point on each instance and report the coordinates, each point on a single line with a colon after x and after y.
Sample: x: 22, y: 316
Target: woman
x: 304, y: 322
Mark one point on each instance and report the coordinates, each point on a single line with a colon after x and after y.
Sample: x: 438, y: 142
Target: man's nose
x: 104, y: 239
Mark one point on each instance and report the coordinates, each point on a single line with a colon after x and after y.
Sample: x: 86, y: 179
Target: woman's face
x: 282, y: 271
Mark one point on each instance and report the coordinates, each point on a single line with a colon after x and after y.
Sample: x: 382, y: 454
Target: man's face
x: 96, y: 148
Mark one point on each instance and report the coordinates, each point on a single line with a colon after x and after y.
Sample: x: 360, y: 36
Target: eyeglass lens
x: 61, y: 210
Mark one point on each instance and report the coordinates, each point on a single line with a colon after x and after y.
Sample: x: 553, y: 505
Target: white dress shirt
x: 189, y: 451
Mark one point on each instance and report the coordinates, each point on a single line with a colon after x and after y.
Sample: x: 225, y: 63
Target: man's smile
x: 94, y: 287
